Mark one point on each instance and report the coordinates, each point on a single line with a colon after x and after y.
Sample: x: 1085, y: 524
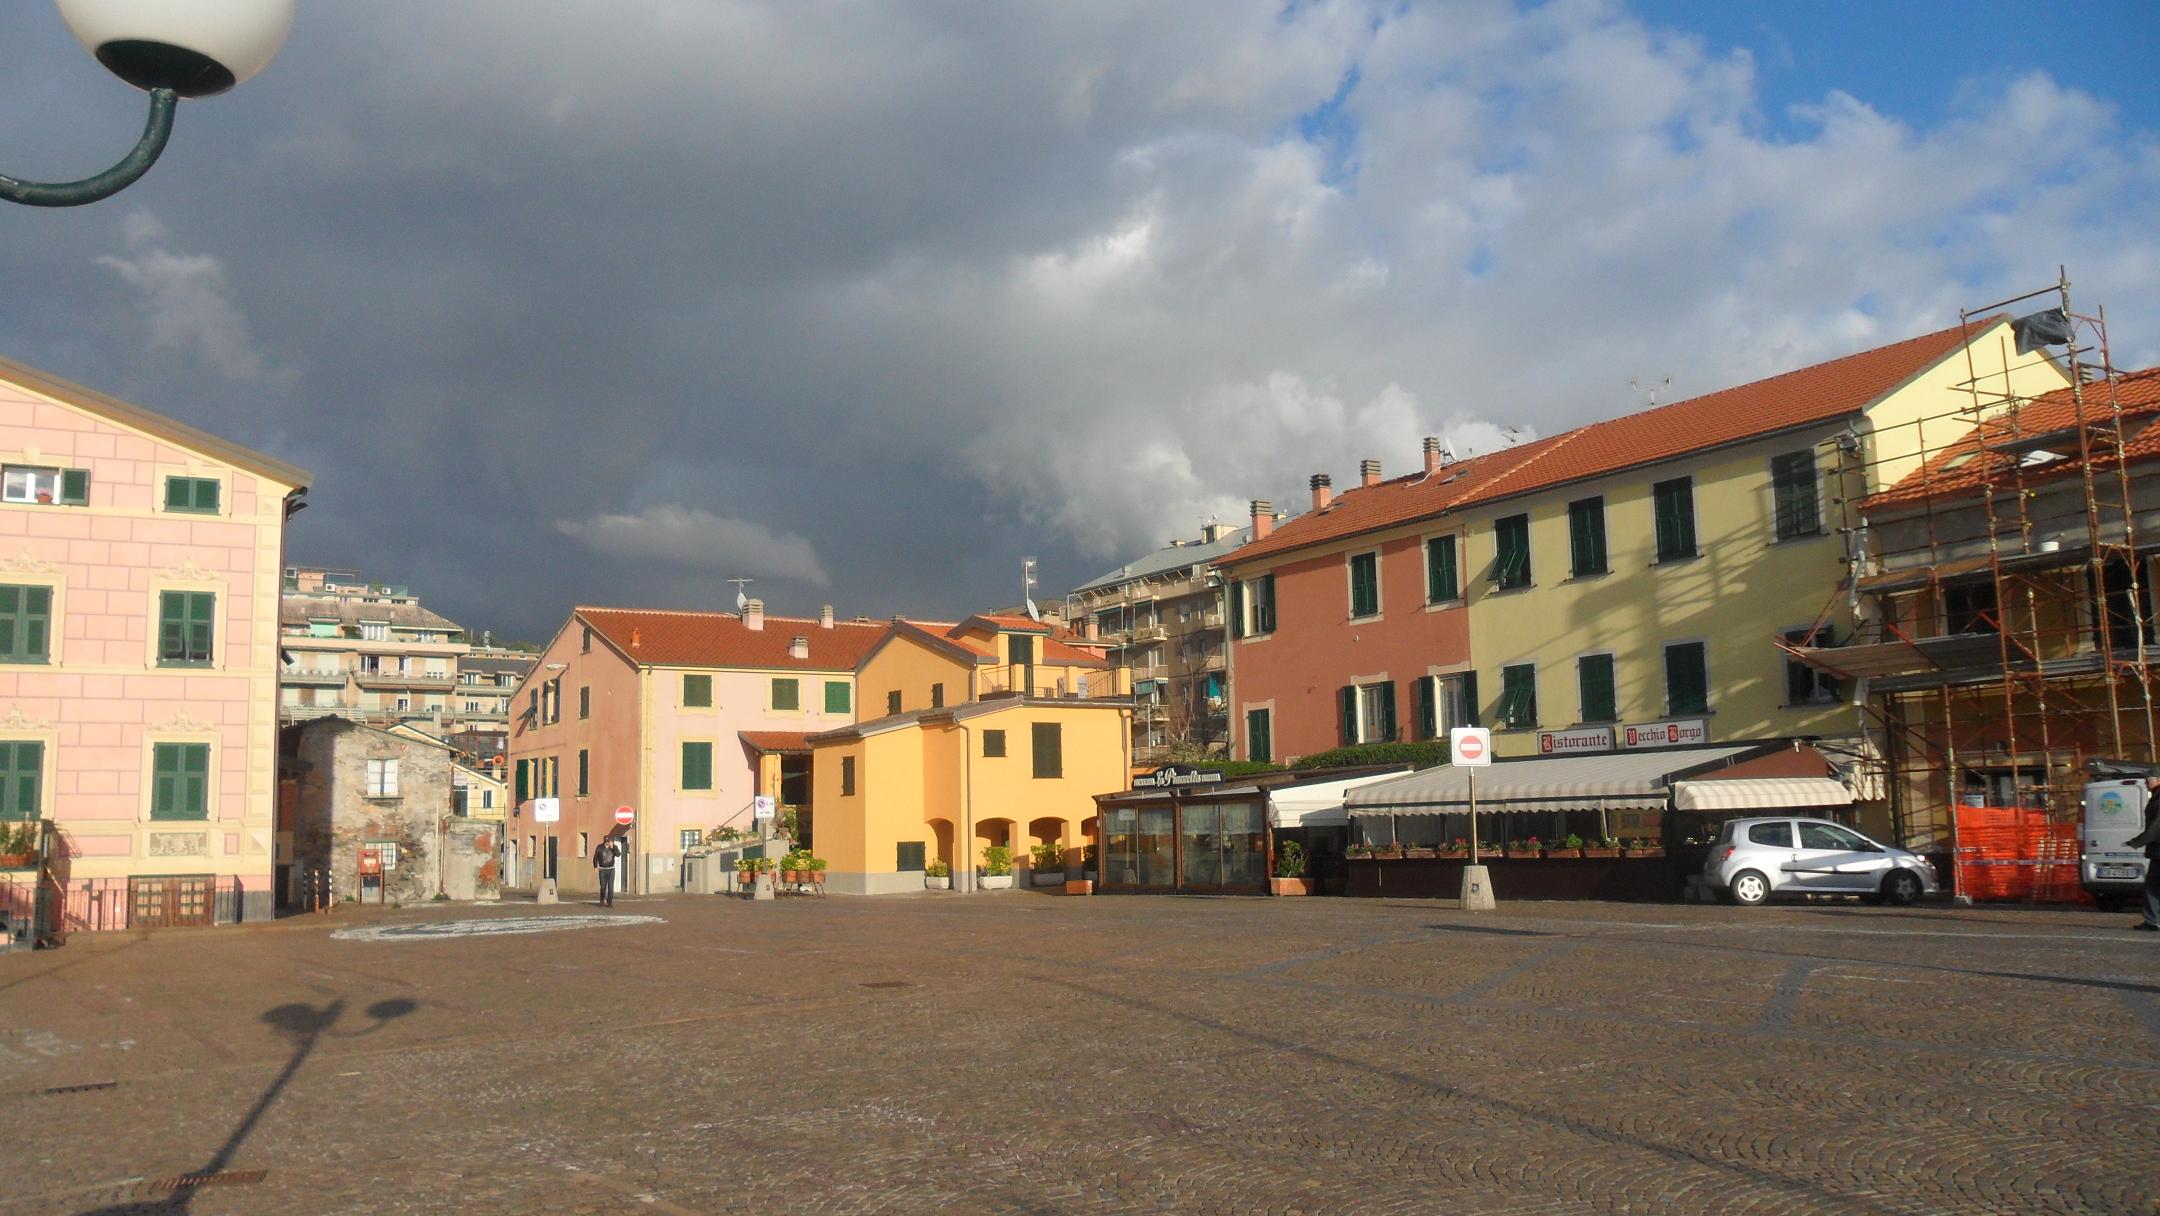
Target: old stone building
x: 356, y: 788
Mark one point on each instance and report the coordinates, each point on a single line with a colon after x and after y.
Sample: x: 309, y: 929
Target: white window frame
x: 382, y: 777
x: 32, y: 477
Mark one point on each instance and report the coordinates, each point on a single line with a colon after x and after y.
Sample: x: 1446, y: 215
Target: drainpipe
x: 967, y: 805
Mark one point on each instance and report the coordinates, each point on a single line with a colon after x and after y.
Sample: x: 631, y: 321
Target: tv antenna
x: 1027, y: 588
x: 741, y: 601
x: 1649, y: 393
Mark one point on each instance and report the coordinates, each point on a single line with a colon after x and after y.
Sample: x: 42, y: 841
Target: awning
x: 1318, y: 805
x: 1612, y: 780
x: 1760, y: 794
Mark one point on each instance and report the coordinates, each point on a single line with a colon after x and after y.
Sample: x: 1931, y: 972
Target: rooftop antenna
x: 1512, y: 435
x: 741, y: 601
x: 1648, y: 393
x: 1447, y: 449
x: 1027, y: 588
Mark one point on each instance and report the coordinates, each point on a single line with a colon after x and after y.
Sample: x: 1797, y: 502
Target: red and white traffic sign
x: 1470, y: 745
x: 625, y: 816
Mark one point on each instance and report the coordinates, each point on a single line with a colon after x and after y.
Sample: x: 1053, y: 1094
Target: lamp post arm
x: 112, y: 181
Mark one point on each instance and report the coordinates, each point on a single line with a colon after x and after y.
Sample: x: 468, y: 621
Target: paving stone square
x: 1021, y: 1052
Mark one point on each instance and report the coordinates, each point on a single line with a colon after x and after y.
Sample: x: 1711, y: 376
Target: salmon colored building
x: 139, y: 575
x: 675, y: 715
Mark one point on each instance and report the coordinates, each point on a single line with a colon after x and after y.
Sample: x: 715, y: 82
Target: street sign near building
x: 1470, y: 745
x: 763, y: 807
x: 547, y: 810
x: 624, y: 816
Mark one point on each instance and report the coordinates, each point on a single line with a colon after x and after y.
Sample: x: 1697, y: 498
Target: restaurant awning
x: 1611, y: 780
x: 1760, y: 794
x: 1318, y: 805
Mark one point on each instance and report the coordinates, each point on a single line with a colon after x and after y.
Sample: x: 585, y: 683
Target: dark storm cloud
x: 572, y: 302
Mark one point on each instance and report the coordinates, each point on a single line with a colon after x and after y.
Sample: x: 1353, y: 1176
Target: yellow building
x: 992, y: 732
x: 1628, y: 582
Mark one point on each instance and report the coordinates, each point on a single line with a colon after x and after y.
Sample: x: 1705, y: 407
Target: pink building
x: 139, y: 569
x: 672, y: 714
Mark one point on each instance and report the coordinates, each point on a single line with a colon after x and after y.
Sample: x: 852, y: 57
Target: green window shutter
x: 1049, y: 749
x: 584, y: 772
x: 1237, y: 608
x: 1511, y: 551
x: 1586, y: 536
x: 75, y: 487
x: 1594, y: 677
x: 696, y: 766
x: 1390, y: 731
x: 180, y: 781
x: 837, y: 700
x: 1428, y: 716
x: 25, y: 624
x: 1673, y: 503
x: 697, y: 692
x: 177, y: 494
x: 1518, y: 696
x: 1792, y: 480
x: 1267, y: 604
x: 1441, y: 585
x: 1259, y: 747
x: 172, y: 627
x: 993, y: 743
x: 206, y: 494
x: 1348, y: 734
x: 847, y: 776
x: 786, y: 693
x: 524, y: 781
x: 1686, y: 679
x: 22, y: 766
x: 1470, y: 700
x: 1365, y: 584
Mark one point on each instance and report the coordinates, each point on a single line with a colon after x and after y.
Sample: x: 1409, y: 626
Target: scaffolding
x: 1999, y: 572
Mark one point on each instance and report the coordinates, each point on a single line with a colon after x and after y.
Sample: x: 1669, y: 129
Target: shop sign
x: 1176, y: 776
x: 1574, y: 739
x: 1685, y: 732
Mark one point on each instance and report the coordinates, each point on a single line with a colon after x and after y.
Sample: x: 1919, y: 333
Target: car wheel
x: 1749, y: 888
x: 1901, y: 888
x: 2108, y: 901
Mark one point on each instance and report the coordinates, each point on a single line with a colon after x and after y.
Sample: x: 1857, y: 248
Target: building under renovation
x: 2004, y: 600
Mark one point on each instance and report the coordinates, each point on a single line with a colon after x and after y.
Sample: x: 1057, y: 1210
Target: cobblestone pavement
x: 1015, y: 1052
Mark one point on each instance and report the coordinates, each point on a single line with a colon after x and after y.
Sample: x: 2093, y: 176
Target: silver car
x: 1754, y: 859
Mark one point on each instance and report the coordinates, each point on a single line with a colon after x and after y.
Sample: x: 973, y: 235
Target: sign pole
x: 1472, y: 775
x: 1470, y: 748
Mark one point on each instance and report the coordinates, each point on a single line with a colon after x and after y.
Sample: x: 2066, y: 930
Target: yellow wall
x: 1743, y: 589
x: 910, y: 665
x: 1094, y: 749
x: 1935, y: 408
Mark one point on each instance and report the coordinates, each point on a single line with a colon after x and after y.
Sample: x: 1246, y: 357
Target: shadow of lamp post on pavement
x: 305, y: 1026
x: 170, y: 49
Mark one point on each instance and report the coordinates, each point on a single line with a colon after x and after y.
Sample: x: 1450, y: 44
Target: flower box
x: 1521, y: 853
x: 1589, y: 850
x: 1290, y: 886
x: 1648, y: 851
x: 939, y: 882
x: 1049, y: 878
x: 18, y: 861
x: 1563, y: 851
x: 996, y: 882
x: 1079, y: 886
x: 1426, y: 853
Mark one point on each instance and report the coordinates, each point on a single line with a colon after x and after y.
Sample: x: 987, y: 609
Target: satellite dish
x: 1034, y: 613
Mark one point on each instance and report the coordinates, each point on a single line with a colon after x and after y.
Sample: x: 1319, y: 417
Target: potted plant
x: 745, y: 872
x: 1571, y: 847
x: 1642, y: 848
x: 1525, y: 849
x: 18, y: 847
x: 937, y: 876
x: 1049, y: 863
x: 1606, y: 847
x: 1289, y: 878
x: 1358, y: 852
x: 1419, y: 850
x: 814, y: 870
x: 997, y: 867
x: 1457, y: 847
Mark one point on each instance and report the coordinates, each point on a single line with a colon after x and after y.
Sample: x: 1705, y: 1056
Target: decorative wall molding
x: 27, y: 562
x: 179, y: 844
x: 182, y: 721
x: 16, y: 719
x: 191, y: 571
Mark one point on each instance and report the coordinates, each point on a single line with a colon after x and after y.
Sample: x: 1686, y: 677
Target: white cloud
x: 186, y: 301
x: 698, y: 539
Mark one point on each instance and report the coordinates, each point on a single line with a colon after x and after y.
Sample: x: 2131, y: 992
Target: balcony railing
x: 407, y: 679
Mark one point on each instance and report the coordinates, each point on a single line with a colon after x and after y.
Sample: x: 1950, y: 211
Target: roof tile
x: 720, y: 639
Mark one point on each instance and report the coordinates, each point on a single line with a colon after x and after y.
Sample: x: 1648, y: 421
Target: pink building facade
x: 139, y: 582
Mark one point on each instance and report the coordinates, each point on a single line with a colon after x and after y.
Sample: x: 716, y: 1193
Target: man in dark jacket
x: 2149, y: 840
x: 604, y: 859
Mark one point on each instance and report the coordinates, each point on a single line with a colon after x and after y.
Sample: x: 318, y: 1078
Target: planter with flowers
x: 1289, y: 877
x: 997, y: 867
x: 937, y: 876
x: 1642, y: 848
x: 18, y: 846
x: 1608, y: 847
x: 1571, y: 847
x: 1525, y: 850
x: 1049, y: 863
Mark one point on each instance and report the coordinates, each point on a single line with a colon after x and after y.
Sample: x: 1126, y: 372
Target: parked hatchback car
x: 1755, y: 859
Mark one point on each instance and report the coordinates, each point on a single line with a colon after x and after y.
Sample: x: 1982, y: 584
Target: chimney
x: 1322, y: 491
x: 1263, y: 518
x: 1087, y: 625
x: 824, y: 617
x: 635, y: 637
x: 1432, y: 455
x: 753, y: 615
x: 798, y: 647
x: 1368, y: 472
x: 1211, y: 532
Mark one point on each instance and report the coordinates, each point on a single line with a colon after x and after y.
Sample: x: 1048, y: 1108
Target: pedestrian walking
x: 2149, y: 840
x: 604, y: 859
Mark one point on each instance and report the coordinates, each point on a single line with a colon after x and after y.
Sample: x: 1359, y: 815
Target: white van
x: 2114, y: 812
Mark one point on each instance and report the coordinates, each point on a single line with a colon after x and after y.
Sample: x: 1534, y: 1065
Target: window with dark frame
x: 1259, y: 737
x: 1793, y: 489
x: 584, y: 772
x: 1586, y: 536
x: 46, y: 486
x: 1049, y: 741
x: 847, y: 776
x: 697, y: 692
x: 180, y: 781
x: 584, y: 701
x: 786, y: 693
x: 1594, y: 682
x: 1511, y: 552
x: 1442, y: 585
x: 1805, y: 685
x: 1687, y: 679
x: 194, y: 495
x: 25, y: 624
x: 22, y: 771
x: 892, y: 701
x: 937, y: 696
x: 910, y: 855
x: 696, y: 765
x: 993, y: 743
x: 186, y: 622
x: 1364, y: 584
x: 1518, y: 697
x: 1672, y: 507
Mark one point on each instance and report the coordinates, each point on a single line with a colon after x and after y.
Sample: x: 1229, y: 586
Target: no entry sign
x: 625, y: 816
x: 1470, y: 745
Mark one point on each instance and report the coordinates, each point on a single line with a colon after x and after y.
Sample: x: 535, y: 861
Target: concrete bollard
x: 1476, y: 889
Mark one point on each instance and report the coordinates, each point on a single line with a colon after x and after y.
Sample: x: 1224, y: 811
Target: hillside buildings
x: 139, y: 583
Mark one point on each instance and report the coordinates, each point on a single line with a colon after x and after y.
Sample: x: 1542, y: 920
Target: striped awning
x: 1612, y: 780
x: 1761, y: 794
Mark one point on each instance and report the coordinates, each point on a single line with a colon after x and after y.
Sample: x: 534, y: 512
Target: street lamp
x: 169, y: 49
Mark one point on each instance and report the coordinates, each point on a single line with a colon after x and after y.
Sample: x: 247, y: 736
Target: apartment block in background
x: 366, y: 652
x: 139, y: 581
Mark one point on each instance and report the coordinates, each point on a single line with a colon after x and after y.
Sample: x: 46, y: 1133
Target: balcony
x: 1155, y: 632
x: 405, y: 679
x: 1149, y: 671
x: 320, y: 677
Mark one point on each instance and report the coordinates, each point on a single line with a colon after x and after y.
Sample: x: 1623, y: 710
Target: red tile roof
x: 720, y: 639
x: 776, y: 740
x: 1804, y: 397
x: 1990, y: 453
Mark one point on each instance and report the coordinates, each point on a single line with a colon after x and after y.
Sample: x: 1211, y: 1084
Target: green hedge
x: 1418, y: 755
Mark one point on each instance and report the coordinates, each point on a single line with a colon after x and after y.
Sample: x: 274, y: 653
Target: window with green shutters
x: 1792, y: 485
x: 1687, y: 679
x: 198, y: 495
x: 185, y: 624
x: 1672, y: 504
x: 1805, y: 685
x: 22, y: 767
x: 65, y: 487
x: 1259, y: 737
x: 1511, y: 558
x: 524, y: 782
x: 847, y: 776
x: 786, y: 693
x: 25, y: 624
x: 1364, y: 584
x: 584, y: 772
x: 696, y: 766
x: 838, y: 699
x: 1586, y: 536
x: 1518, y: 697
x: 1049, y: 749
x: 584, y: 701
x: 993, y: 743
x: 1255, y: 606
x: 1442, y: 584
x: 1594, y: 679
x: 697, y: 692
x: 180, y: 781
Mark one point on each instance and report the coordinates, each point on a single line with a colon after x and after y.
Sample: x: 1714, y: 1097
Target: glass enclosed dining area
x: 1182, y: 845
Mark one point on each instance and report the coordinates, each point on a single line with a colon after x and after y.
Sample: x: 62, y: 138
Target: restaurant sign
x: 1684, y: 732
x: 1176, y: 776
x: 1574, y: 739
